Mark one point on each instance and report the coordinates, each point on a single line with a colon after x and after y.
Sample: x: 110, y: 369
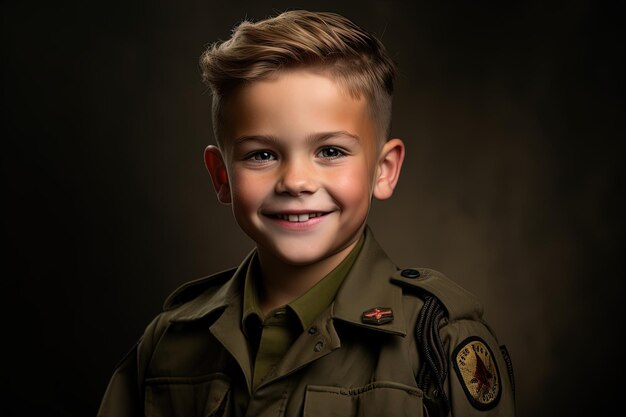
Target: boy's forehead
x: 295, y: 102
x: 304, y: 89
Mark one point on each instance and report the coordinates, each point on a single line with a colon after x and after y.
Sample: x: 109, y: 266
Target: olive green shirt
x: 271, y: 336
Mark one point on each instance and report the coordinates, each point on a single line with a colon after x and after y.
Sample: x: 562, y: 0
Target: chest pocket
x: 205, y: 396
x: 389, y: 399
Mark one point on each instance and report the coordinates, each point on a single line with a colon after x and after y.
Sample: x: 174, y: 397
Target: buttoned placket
x: 316, y: 342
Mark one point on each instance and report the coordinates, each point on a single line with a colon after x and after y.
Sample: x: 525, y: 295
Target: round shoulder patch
x: 478, y: 373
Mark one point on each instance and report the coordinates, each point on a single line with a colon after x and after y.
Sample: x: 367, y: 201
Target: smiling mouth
x: 297, y: 218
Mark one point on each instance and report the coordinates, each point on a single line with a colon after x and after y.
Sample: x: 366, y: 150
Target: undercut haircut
x: 353, y: 58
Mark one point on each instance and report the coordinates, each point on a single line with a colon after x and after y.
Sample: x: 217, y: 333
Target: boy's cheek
x: 247, y: 195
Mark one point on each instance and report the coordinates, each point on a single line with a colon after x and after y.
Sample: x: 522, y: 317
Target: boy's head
x: 302, y: 148
x: 326, y: 42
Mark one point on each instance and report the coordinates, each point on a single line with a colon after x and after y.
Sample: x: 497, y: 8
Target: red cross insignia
x: 377, y: 315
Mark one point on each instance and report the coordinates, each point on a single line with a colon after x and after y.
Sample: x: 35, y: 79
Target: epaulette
x: 442, y: 299
x: 458, y: 302
x: 192, y: 289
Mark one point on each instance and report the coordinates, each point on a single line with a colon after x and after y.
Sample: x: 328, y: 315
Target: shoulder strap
x: 458, y: 302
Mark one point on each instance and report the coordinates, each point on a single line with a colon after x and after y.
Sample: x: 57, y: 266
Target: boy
x: 316, y: 321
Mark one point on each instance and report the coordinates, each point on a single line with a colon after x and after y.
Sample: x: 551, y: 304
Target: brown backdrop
x: 513, y: 184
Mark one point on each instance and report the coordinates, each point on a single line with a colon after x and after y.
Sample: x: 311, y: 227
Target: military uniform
x: 394, y: 342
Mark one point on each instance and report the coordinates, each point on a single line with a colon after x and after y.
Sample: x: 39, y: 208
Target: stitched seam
x: 352, y: 392
x: 165, y: 380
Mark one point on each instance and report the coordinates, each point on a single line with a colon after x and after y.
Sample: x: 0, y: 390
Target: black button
x: 312, y: 330
x: 318, y: 346
x: 410, y: 273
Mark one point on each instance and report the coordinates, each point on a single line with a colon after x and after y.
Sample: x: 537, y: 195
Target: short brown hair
x: 255, y: 51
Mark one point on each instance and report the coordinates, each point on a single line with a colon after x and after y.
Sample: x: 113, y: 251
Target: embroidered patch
x: 478, y: 373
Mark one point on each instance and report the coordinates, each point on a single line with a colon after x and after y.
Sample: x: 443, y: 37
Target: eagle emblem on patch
x: 478, y: 373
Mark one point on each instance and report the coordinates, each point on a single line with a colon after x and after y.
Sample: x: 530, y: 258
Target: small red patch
x: 377, y: 315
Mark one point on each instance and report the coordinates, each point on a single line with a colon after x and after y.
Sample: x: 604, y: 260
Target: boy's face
x: 302, y: 165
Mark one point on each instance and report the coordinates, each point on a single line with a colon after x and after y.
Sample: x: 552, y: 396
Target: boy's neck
x: 283, y: 283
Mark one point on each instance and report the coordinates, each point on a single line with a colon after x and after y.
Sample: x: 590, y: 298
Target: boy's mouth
x: 297, y: 218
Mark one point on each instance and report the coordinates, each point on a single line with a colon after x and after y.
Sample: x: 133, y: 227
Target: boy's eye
x: 262, y: 156
x: 330, y: 153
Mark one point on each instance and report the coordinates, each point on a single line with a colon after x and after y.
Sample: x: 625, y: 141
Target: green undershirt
x: 271, y: 336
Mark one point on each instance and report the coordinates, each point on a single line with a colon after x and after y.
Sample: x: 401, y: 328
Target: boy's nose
x: 296, y: 179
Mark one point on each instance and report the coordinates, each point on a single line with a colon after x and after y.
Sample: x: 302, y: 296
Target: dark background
x: 513, y: 116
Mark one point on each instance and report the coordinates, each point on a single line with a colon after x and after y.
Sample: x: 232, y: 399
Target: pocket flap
x: 381, y: 398
x: 204, y: 396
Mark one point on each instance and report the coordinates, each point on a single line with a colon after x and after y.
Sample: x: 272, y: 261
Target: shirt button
x: 410, y: 273
x: 312, y: 330
x: 318, y: 346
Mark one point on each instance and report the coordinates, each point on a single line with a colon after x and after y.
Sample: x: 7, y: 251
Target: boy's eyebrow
x: 318, y: 137
x: 259, y: 138
x: 311, y: 138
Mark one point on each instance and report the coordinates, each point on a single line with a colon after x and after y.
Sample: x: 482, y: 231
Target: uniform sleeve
x: 122, y: 397
x: 480, y: 381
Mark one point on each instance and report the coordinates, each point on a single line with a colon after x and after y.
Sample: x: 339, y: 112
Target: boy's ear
x: 217, y: 168
x: 388, y: 169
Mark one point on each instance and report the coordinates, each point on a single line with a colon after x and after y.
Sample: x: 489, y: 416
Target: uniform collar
x: 210, y: 301
x: 250, y: 292
x: 367, y: 285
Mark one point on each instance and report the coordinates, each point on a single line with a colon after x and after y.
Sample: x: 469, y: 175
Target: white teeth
x: 298, y: 217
